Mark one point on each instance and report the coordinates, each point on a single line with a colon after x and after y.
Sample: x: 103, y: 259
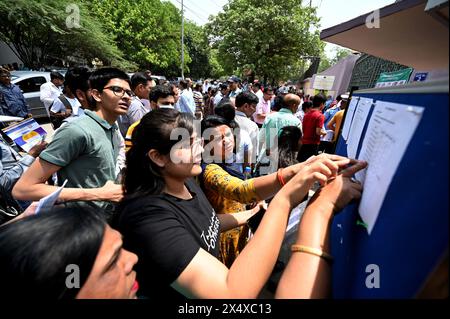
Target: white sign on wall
x: 323, y: 82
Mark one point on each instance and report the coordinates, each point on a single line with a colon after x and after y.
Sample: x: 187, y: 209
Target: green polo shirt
x: 276, y: 121
x: 86, y: 149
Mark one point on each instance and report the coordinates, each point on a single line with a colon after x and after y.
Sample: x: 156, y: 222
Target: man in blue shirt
x: 12, y: 101
x: 186, y: 103
x: 327, y: 103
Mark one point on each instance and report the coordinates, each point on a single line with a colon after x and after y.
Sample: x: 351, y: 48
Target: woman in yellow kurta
x: 225, y: 186
x: 229, y: 194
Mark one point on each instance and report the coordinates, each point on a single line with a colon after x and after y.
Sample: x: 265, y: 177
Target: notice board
x: 410, y: 236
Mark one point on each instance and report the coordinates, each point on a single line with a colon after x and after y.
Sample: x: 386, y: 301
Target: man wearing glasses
x: 84, y: 152
x: 12, y: 101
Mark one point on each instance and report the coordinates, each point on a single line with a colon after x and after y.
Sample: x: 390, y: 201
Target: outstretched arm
x: 233, y: 220
x: 308, y: 275
x: 259, y: 188
x: 253, y: 266
x: 32, y: 186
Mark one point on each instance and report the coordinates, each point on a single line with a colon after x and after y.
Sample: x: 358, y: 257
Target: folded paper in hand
x: 49, y: 201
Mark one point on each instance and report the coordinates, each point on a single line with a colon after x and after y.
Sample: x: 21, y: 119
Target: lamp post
x: 182, y: 40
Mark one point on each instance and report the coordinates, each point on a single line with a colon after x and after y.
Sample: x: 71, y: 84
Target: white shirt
x: 259, y: 94
x: 121, y: 158
x: 58, y: 106
x: 235, y: 92
x: 248, y: 126
x: 186, y: 102
x: 205, y: 88
x: 146, y: 103
x: 218, y: 98
x: 48, y: 93
x: 245, y: 144
x: 136, y: 112
x: 263, y: 107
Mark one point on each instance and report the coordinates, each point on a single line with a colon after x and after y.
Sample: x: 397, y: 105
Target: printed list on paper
x: 349, y: 117
x: 390, y: 130
x: 359, y: 120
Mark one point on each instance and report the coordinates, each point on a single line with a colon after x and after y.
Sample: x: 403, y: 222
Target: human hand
x: 342, y: 190
x: 111, y: 192
x: 36, y: 150
x: 31, y: 210
x: 318, y: 169
x: 340, y: 161
x: 259, y: 206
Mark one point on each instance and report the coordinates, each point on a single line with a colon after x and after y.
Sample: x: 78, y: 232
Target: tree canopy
x: 338, y: 54
x: 266, y: 37
x: 146, y: 31
x: 270, y: 39
x: 39, y: 31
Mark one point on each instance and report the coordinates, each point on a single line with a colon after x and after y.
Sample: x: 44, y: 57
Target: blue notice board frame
x: 410, y: 236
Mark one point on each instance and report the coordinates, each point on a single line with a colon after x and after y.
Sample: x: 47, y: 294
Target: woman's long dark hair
x: 142, y: 176
x: 36, y: 251
x: 288, y: 145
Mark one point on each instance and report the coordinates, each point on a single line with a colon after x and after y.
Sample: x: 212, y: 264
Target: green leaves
x: 338, y: 54
x: 148, y: 32
x: 269, y: 36
x: 39, y: 30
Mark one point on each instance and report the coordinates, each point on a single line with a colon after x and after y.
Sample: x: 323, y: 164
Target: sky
x: 331, y: 12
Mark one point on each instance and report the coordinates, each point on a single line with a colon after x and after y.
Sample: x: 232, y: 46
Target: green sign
x: 394, y: 78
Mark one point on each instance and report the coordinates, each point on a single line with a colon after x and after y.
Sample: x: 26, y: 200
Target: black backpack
x: 9, y: 208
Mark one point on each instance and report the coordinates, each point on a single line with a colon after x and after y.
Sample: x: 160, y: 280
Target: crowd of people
x: 161, y: 182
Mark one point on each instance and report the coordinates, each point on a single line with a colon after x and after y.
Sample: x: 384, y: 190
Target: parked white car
x: 30, y: 83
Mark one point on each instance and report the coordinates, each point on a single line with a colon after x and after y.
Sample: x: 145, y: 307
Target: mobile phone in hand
x: 254, y: 221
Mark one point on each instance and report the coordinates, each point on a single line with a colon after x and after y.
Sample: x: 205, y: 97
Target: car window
x: 32, y: 84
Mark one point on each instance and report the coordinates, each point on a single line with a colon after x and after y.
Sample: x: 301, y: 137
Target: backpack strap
x: 65, y: 101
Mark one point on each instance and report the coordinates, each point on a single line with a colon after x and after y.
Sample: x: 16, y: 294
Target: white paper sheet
x: 48, y: 201
x: 349, y: 117
x: 328, y: 137
x: 6, y: 118
x: 294, y: 218
x: 388, y: 135
x: 359, y: 120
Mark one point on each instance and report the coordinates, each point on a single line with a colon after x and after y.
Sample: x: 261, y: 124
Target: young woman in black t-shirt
x: 167, y: 221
